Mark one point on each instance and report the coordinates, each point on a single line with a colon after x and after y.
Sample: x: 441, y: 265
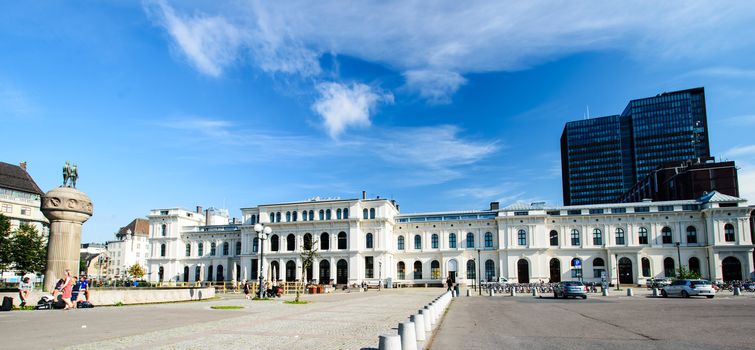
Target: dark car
x: 570, y: 289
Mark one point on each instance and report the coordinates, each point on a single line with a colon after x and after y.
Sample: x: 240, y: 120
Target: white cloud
x: 476, y: 36
x: 209, y: 42
x: 347, y: 105
x: 724, y: 72
x: 741, y: 120
x: 435, y: 86
x: 748, y: 150
x: 746, y: 174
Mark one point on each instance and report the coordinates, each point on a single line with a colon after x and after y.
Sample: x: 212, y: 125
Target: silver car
x: 570, y: 289
x: 687, y: 288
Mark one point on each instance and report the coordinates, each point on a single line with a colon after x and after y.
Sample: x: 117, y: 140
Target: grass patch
x: 23, y: 308
x: 296, y: 302
x: 263, y: 299
x: 226, y: 307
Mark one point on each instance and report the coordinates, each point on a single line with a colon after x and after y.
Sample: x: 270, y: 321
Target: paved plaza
x: 614, y: 322
x: 334, y: 321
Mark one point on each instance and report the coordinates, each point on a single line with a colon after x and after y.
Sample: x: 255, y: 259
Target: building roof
x: 16, y: 178
x: 718, y: 197
x: 138, y: 227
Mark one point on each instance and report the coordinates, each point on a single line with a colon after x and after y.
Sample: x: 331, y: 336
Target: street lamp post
x: 262, y: 233
x: 479, y: 280
x: 380, y: 275
x: 679, y: 255
x: 618, y: 281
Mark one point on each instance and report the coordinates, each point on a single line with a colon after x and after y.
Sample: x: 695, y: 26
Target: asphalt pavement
x: 639, y: 322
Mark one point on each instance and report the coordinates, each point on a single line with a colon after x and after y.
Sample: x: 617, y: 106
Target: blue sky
x: 439, y: 105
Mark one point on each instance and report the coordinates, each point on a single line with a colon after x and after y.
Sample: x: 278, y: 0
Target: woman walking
x: 67, y: 290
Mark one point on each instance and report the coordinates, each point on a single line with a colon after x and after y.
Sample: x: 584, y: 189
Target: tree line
x: 23, y: 250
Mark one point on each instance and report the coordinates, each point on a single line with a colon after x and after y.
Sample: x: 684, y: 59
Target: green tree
x: 308, y: 255
x: 683, y: 273
x: 136, y: 270
x: 29, y: 251
x: 5, y: 244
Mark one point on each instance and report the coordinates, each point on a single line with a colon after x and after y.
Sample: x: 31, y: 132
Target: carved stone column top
x: 67, y: 203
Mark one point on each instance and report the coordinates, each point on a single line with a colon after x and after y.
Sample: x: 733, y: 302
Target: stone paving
x: 334, y: 321
x: 613, y: 322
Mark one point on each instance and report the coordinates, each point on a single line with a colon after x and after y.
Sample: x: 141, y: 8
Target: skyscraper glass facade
x: 603, y: 157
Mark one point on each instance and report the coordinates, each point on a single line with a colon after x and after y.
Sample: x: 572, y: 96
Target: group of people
x: 71, y: 290
x: 270, y: 290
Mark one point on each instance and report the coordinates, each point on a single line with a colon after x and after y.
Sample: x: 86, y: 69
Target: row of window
x: 200, y: 249
x: 451, y: 241
x: 324, y: 214
x: 342, y: 242
x: 597, y: 239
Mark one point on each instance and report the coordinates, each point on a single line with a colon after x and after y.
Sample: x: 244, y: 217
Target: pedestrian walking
x: 449, y: 282
x: 68, y: 290
x: 246, y: 290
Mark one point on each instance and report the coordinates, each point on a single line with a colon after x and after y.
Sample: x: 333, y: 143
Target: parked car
x: 686, y: 288
x: 570, y: 289
x: 657, y: 282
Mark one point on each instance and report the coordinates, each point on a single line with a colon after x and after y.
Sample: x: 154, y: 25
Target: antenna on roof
x: 588, y: 111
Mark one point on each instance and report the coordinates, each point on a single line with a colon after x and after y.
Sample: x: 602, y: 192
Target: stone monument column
x: 67, y: 209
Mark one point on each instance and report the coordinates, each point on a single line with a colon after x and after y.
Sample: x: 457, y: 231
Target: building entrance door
x: 342, y: 272
x: 625, y: 271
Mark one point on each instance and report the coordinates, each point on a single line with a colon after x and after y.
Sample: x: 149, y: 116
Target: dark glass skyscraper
x: 601, y: 158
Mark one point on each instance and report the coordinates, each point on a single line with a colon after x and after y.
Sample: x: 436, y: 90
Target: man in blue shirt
x: 83, y: 285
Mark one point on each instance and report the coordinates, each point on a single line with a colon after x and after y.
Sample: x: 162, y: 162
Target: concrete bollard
x: 630, y: 292
x: 419, y: 326
x: 491, y: 292
x: 433, y: 315
x: 513, y: 292
x: 469, y: 292
x: 737, y: 292
x: 534, y: 292
x: 389, y: 342
x: 605, y: 292
x: 453, y: 294
x: 655, y: 292
x: 408, y: 338
x: 426, y: 316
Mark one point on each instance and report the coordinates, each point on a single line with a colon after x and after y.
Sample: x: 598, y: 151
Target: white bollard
x: 605, y: 292
x: 469, y: 292
x: 426, y: 315
x: 737, y: 292
x: 513, y: 292
x: 432, y: 314
x: 534, y: 292
x: 408, y: 338
x: 389, y: 342
x: 630, y: 292
x: 419, y: 326
x: 655, y: 292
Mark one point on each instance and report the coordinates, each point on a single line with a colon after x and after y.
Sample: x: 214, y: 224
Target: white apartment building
x: 130, y: 247
x: 21, y: 198
x: 369, y: 240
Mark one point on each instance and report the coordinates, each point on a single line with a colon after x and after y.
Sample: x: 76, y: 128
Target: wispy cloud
x: 748, y: 150
x: 413, y: 36
x: 347, y: 105
x: 740, y: 120
x: 436, y: 154
x: 436, y: 87
x: 724, y: 72
x: 13, y: 102
x: 209, y: 42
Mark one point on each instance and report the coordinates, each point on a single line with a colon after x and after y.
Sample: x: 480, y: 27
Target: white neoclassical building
x: 369, y: 239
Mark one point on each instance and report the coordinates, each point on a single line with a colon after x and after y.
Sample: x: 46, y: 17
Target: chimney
x: 398, y: 208
x: 364, y: 194
x: 22, y: 165
x: 495, y: 205
x: 207, y: 217
x: 199, y: 209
